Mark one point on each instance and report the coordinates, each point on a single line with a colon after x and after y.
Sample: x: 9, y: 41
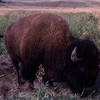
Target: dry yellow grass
x: 95, y: 11
x: 74, y: 10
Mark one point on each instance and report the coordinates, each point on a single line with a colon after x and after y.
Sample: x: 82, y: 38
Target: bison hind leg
x: 17, y: 67
x: 46, y: 80
x: 28, y: 73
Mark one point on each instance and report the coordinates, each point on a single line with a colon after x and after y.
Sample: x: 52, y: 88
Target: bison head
x: 83, y: 65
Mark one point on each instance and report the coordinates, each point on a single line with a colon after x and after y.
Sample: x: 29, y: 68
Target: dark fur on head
x: 82, y: 73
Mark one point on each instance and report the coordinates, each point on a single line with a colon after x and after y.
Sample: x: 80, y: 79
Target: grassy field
x: 83, y: 25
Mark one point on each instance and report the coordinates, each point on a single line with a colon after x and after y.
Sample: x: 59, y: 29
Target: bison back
x: 29, y: 37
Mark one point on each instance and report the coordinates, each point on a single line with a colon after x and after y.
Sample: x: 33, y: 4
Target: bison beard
x: 46, y: 39
x: 83, y: 72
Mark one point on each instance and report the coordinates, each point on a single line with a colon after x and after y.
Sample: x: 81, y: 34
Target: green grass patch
x: 5, y: 21
x: 3, y: 48
x: 84, y: 25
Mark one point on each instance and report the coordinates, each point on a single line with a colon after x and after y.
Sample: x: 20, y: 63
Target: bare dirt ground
x: 9, y: 85
x: 8, y: 77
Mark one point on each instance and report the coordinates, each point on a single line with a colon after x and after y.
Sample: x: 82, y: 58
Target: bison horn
x: 74, y: 57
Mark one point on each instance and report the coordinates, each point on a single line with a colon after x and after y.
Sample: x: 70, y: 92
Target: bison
x: 46, y: 39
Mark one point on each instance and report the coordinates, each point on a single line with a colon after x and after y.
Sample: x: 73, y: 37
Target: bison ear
x: 74, y: 57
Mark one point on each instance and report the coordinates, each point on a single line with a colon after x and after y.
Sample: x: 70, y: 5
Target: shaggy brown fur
x: 42, y: 39
x: 33, y: 38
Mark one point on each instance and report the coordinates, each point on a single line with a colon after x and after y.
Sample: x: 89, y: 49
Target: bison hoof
x: 22, y: 82
x: 31, y: 86
x: 49, y: 84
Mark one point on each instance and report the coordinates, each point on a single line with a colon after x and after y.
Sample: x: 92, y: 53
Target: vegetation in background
x: 82, y: 25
